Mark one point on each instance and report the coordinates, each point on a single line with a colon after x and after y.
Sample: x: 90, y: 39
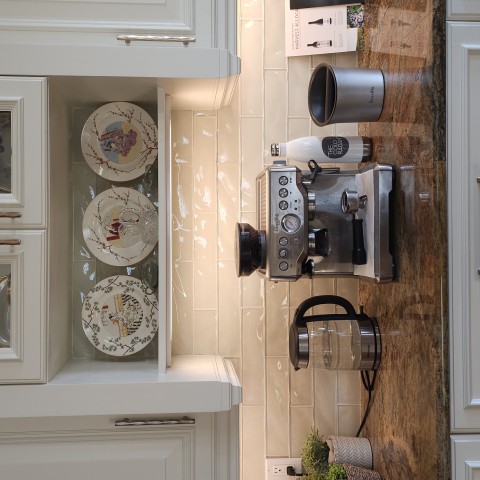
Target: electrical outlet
x: 276, y: 468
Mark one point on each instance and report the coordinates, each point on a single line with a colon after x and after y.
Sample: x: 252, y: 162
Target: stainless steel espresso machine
x: 325, y: 221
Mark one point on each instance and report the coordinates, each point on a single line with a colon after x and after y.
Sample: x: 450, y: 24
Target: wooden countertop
x: 409, y: 419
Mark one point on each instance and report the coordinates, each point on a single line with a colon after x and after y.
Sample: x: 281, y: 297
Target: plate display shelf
x: 79, y: 379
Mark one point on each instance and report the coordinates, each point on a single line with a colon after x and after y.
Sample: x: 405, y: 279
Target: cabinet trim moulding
x: 17, y: 327
x: 34, y: 25
x: 15, y: 105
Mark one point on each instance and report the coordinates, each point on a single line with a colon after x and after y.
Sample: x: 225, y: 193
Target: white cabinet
x: 50, y: 271
x: 120, y: 38
x: 465, y: 457
x: 23, y: 238
x: 102, y: 448
x: 464, y: 222
x: 463, y: 122
x: 463, y: 10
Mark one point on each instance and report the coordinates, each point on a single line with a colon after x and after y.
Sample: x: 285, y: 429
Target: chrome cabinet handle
x: 10, y: 214
x: 14, y: 241
x: 127, y: 422
x: 155, y: 38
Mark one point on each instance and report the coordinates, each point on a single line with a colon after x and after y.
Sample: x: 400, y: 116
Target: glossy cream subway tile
x: 251, y: 160
x: 229, y: 310
x: 274, y: 35
x: 326, y: 58
x: 324, y: 286
x: 346, y: 59
x: 182, y: 137
x: 297, y: 127
x: 299, y: 73
x: 182, y: 212
x: 277, y: 406
x: 205, y: 237
x: 253, y: 356
x: 251, y: 79
x: 205, y: 170
x: 348, y: 288
x: 205, y: 284
x: 325, y: 398
x: 253, y: 442
x: 228, y: 213
x: 277, y: 318
x: 348, y: 420
x: 205, y: 332
x: 299, y: 291
x: 275, y: 122
x: 228, y: 120
x: 253, y: 291
x: 327, y: 131
x: 182, y: 308
x: 349, y: 385
x: 251, y: 9
x: 301, y: 387
x: 301, y: 423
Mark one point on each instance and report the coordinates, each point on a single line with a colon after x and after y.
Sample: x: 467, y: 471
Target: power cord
x: 292, y: 473
x: 368, y: 384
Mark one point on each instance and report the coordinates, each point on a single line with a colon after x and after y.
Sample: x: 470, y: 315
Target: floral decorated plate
x: 102, y: 227
x: 119, y: 141
x: 119, y: 316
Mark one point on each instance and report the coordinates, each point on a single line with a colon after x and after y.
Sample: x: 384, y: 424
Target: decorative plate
x: 119, y: 140
x: 101, y: 226
x: 119, y: 316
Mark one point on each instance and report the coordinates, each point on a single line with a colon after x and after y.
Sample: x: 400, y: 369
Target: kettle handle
x: 300, y: 320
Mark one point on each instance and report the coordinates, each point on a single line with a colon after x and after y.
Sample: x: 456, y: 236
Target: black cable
x: 368, y: 384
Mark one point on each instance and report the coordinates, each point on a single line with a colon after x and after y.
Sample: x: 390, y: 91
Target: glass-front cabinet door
x: 22, y: 306
x: 23, y: 152
x: 23, y: 235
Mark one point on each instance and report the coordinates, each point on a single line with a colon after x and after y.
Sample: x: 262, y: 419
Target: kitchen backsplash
x: 216, y: 158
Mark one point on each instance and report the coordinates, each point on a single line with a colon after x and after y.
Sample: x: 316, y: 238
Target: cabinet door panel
x: 23, y: 152
x: 22, y: 306
x: 120, y: 456
x: 463, y: 9
x: 78, y: 22
x: 466, y: 457
x: 464, y: 222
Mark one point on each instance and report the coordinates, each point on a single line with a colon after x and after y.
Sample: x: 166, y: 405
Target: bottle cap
x: 275, y: 149
x: 367, y: 149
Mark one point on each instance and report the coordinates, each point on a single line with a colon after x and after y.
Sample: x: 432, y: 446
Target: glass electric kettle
x: 347, y: 341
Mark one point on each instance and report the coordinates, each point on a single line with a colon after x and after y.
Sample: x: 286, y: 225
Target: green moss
x: 315, y: 456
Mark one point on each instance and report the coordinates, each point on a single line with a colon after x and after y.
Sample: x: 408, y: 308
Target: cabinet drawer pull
x: 10, y: 214
x: 129, y: 422
x: 155, y: 38
x: 10, y: 242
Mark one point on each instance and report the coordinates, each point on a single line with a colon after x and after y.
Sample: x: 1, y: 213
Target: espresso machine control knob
x: 291, y: 223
